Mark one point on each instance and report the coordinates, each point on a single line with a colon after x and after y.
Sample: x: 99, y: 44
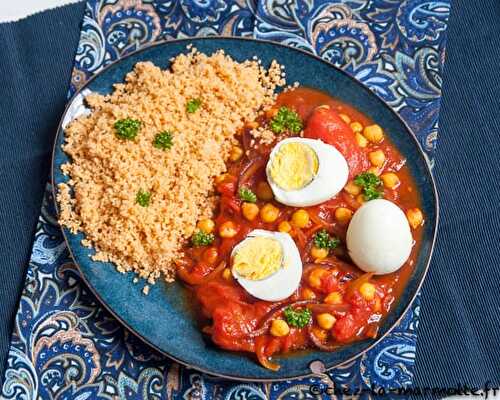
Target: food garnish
x: 193, y: 105
x: 201, y: 238
x: 323, y: 240
x: 163, y: 140
x: 286, y: 120
x: 297, y: 318
x: 370, y: 184
x: 247, y: 195
x: 127, y: 128
x: 143, y: 198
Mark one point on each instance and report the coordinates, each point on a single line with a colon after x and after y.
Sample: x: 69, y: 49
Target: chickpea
x: 367, y: 291
x: 221, y: 178
x: 206, y: 225
x: 319, y: 253
x: 334, y: 298
x: 326, y: 320
x: 228, y: 230
x: 210, y: 255
x: 377, y: 158
x: 269, y: 213
x: 279, y: 328
x: 390, y: 180
x: 374, y: 133
x: 320, y: 334
x: 272, y: 112
x: 264, y: 191
x: 415, y: 217
x: 352, y: 188
x: 361, y: 140
x: 315, y: 276
x: 308, y: 294
x: 284, y: 227
x: 374, y: 170
x: 343, y: 215
x: 226, y: 274
x: 356, y: 126
x: 345, y: 118
x: 360, y: 198
x: 300, y: 218
x: 250, y: 211
x: 236, y: 153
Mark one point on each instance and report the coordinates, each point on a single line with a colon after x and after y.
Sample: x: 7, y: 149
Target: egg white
x: 379, y: 238
x: 283, y: 282
x: 331, y: 177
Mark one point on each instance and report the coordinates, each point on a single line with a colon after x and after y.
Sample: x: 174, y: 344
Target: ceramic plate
x: 163, y: 319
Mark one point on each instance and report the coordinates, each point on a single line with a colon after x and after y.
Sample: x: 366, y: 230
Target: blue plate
x: 163, y: 319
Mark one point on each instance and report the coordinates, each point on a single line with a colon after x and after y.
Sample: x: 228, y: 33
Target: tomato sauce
x: 333, y: 285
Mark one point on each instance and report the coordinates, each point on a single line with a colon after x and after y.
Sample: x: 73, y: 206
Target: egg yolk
x: 294, y: 166
x: 258, y: 258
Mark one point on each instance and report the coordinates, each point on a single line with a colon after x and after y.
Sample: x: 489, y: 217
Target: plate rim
x: 167, y: 41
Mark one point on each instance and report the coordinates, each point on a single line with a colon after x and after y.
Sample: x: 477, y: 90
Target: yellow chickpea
x: 415, y: 217
x: 221, y: 178
x: 352, y: 188
x: 326, y: 320
x: 226, y: 274
x: 377, y: 158
x: 356, y: 126
x: 284, y: 227
x: 308, y: 294
x: 374, y: 170
x: 236, y: 153
x: 390, y: 180
x: 319, y: 253
x: 374, y: 133
x: 279, y: 328
x: 367, y: 291
x: 269, y: 213
x: 206, y: 225
x: 361, y: 140
x: 300, y: 218
x: 315, y: 276
x: 345, y: 118
x: 343, y: 215
x: 250, y: 211
x: 333, y: 298
x: 360, y: 198
x: 321, y: 334
x: 272, y: 112
x: 228, y: 230
x: 264, y: 191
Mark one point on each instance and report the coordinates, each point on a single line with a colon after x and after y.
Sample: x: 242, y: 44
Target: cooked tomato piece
x: 232, y: 323
x: 326, y: 124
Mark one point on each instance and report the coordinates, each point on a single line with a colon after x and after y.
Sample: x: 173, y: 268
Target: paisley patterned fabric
x: 66, y: 346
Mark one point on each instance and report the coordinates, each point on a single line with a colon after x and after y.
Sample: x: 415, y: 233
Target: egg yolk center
x: 258, y: 258
x: 294, y: 166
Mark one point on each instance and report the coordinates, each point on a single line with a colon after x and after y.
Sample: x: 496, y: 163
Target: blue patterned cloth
x: 66, y: 346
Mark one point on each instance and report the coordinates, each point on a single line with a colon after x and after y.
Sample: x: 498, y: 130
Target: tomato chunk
x: 326, y: 124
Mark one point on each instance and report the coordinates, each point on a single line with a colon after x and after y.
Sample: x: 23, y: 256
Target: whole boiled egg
x: 379, y: 238
x: 305, y: 172
x: 267, y: 265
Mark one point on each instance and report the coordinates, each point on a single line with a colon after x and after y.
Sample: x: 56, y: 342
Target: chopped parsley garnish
x: 286, y: 120
x: 163, y: 140
x: 143, y: 198
x: 370, y: 184
x: 323, y: 240
x: 127, y: 128
x: 247, y: 195
x: 201, y: 238
x: 193, y: 105
x: 297, y: 318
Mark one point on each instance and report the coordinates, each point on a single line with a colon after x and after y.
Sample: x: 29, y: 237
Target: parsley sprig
x: 163, y: 140
x: 323, y: 240
x: 201, y: 238
x: 371, y: 184
x: 143, y: 198
x: 297, y: 318
x: 127, y: 128
x: 193, y: 105
x: 286, y: 120
x: 247, y: 195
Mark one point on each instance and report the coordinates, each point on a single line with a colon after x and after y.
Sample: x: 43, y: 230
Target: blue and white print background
x: 65, y: 345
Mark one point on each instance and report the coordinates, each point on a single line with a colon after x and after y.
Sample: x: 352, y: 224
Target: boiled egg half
x: 379, y: 238
x: 305, y: 172
x: 267, y: 265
